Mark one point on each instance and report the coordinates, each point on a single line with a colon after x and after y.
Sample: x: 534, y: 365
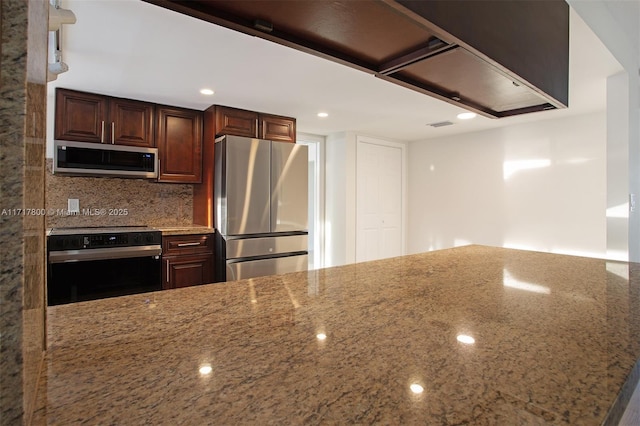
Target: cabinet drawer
x: 187, y: 244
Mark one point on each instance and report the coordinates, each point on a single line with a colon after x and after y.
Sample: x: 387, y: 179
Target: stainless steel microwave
x: 96, y: 159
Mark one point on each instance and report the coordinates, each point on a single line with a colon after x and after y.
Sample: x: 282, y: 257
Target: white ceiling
x: 133, y: 49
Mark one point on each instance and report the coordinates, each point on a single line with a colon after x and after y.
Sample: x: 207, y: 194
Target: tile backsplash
x: 116, y: 201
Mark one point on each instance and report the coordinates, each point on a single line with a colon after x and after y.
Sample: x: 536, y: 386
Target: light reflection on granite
x: 560, y: 357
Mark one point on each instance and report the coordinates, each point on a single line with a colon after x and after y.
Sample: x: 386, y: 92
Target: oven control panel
x: 103, y: 240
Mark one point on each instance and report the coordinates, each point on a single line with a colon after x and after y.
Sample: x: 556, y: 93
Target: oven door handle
x: 64, y: 256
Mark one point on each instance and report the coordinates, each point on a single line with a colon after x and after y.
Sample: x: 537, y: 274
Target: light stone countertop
x: 555, y: 339
x: 185, y: 230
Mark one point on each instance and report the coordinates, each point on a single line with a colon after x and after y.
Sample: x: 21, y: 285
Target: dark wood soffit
x: 237, y: 16
x: 205, y: 11
x: 537, y: 50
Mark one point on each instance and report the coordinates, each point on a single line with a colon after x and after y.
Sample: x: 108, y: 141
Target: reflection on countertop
x: 471, y: 335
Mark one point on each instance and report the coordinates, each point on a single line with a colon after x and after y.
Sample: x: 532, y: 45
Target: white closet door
x: 379, y: 201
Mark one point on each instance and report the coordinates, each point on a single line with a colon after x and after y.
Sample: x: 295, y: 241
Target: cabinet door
x: 80, y: 116
x: 131, y: 123
x: 236, y: 122
x: 185, y: 271
x: 179, y: 140
x: 277, y: 128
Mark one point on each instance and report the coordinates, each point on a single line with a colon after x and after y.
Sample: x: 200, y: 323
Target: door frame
x: 360, y: 139
x: 319, y: 214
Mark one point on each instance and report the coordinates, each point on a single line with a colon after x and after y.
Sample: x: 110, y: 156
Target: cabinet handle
x: 113, y: 132
x: 167, y: 270
x: 188, y: 244
x: 258, y: 131
x: 102, y: 133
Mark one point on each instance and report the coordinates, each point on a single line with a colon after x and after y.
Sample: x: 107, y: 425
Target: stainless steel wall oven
x: 95, y: 263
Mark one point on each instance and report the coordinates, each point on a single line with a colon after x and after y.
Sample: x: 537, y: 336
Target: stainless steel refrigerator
x: 261, y: 202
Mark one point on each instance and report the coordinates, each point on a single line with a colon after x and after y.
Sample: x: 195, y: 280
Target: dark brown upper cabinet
x: 235, y: 121
x: 179, y: 138
x: 89, y: 117
x: 131, y: 122
x: 277, y: 128
x: 498, y: 58
x: 252, y: 124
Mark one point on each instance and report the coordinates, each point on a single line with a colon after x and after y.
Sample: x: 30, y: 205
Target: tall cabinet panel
x: 179, y: 140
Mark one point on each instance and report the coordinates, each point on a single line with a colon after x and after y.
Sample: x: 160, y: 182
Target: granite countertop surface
x: 471, y: 335
x: 185, y: 230
x: 173, y: 230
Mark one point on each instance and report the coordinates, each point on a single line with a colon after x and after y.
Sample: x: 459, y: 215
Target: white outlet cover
x: 73, y: 205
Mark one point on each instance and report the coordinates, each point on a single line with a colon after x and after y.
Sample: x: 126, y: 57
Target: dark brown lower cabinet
x: 187, y: 260
x: 185, y: 271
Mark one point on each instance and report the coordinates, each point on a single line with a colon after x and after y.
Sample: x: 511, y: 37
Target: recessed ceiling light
x: 323, y: 114
x: 466, y: 115
x: 206, y: 91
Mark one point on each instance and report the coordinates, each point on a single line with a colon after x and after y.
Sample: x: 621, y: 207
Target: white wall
x: 617, y: 25
x: 617, y: 166
x: 340, y: 198
x: 539, y: 186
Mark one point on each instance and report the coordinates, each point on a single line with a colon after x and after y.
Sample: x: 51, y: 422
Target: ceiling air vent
x: 440, y: 124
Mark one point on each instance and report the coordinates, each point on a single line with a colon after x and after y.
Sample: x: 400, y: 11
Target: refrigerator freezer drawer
x: 264, y: 267
x: 262, y: 246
